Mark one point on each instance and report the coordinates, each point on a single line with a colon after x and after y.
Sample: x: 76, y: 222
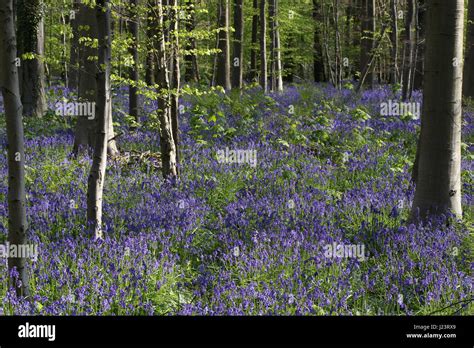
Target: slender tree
x: 168, y: 149
x: 318, y: 62
x: 469, y: 60
x: 9, y: 85
x: 133, y: 49
x: 275, y: 49
x: 96, y: 181
x: 150, y: 42
x: 84, y: 135
x: 263, y: 46
x: 438, y: 185
x: 74, y: 48
x: 175, y: 75
x: 367, y: 41
x: 223, y: 57
x: 238, y: 56
x: 30, y: 30
x: 409, y: 50
x: 254, y: 47
x: 394, y: 41
x: 191, y: 64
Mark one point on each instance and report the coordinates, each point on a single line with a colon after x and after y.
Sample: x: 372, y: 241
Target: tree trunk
x: 192, y: 69
x: 438, y: 186
x: 176, y: 76
x: 74, y: 52
x: 223, y: 57
x: 133, y: 49
x: 418, y: 69
x: 394, y: 42
x: 318, y: 61
x: 275, y: 49
x: 150, y: 43
x: 409, y: 52
x: 96, y: 180
x: 263, y: 47
x: 367, y: 41
x: 30, y: 30
x: 9, y: 85
x: 469, y: 61
x: 84, y: 135
x: 168, y: 149
x: 237, y: 62
x: 253, y: 50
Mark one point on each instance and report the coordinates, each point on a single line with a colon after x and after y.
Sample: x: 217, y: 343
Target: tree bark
x: 74, y: 51
x: 438, y: 186
x: 9, y: 85
x: 223, y: 57
x: 30, y: 30
x: 237, y: 62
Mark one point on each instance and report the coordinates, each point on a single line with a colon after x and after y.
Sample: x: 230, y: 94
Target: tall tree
x: 318, y: 61
x: 74, y: 47
x: 133, y: 49
x: 275, y: 49
x: 150, y: 42
x: 175, y: 75
x: 469, y: 61
x: 253, y: 49
x: 263, y: 46
x: 9, y: 85
x: 409, y: 50
x: 367, y: 42
x: 223, y: 57
x: 30, y: 30
x: 394, y: 41
x: 168, y: 148
x: 96, y: 180
x: 192, y: 69
x: 84, y: 135
x: 238, y: 56
x: 438, y: 185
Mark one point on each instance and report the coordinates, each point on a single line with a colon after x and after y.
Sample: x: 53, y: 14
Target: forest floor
x: 318, y: 168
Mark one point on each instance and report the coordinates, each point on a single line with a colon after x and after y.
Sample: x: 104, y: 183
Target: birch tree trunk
x: 9, y: 85
x: 438, y: 186
x: 96, y: 180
